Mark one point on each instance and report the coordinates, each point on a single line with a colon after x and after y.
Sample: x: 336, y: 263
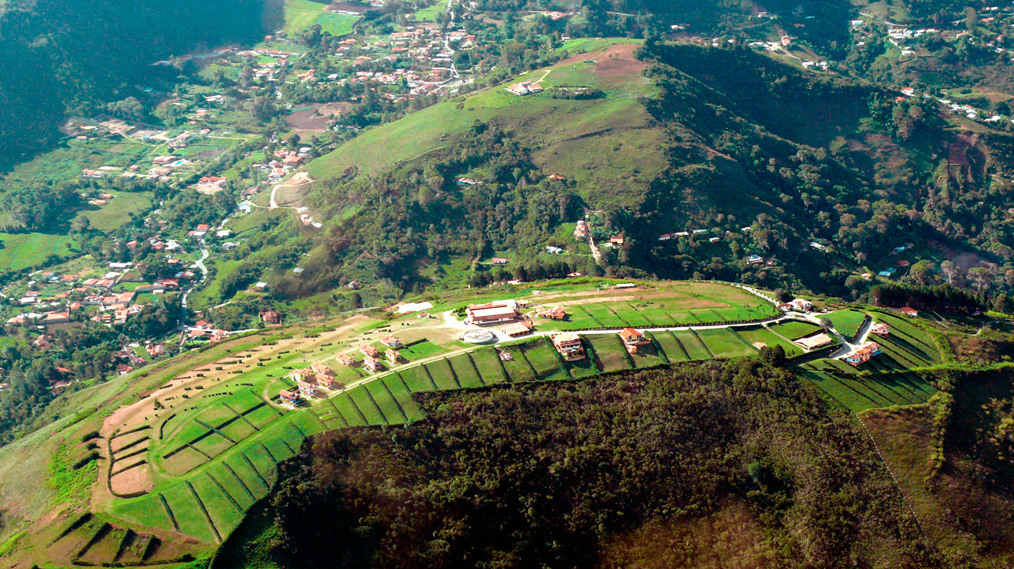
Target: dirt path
x: 298, y: 181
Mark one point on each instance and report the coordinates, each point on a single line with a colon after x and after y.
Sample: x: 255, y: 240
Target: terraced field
x: 859, y: 393
x: 212, y: 443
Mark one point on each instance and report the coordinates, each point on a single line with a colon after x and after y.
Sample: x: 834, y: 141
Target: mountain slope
x: 58, y: 59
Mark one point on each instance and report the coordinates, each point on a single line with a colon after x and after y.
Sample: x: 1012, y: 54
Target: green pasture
x: 846, y: 322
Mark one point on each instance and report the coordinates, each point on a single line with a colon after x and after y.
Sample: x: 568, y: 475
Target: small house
x: 372, y: 364
x: 569, y: 346
x: 308, y: 389
x: 289, y: 396
x: 369, y: 351
x: 346, y: 359
x: 633, y: 340
x: 880, y: 329
x: 390, y: 342
x: 392, y: 356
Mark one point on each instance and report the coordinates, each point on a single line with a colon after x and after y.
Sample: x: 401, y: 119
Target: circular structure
x: 478, y: 337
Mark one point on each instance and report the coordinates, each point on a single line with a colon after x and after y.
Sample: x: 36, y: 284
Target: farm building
x: 271, y: 317
x: 581, y: 231
x: 865, y: 353
x: 570, y: 346
x: 633, y: 340
x: 493, y: 313
x: 516, y: 329
x: 801, y: 305
x: 555, y: 313
x: 324, y: 375
x: 813, y: 342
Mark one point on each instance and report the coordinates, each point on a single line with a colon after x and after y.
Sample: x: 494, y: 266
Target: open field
x: 847, y: 322
x: 335, y: 24
x: 23, y: 250
x: 430, y: 13
x: 300, y: 14
x: 118, y: 211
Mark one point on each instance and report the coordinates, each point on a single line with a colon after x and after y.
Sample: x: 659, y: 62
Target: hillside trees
x: 58, y: 60
x: 548, y: 475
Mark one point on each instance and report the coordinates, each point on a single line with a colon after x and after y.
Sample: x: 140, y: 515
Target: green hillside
x: 606, y: 145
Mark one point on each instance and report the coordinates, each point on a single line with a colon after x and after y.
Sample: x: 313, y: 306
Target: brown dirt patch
x: 614, y: 61
x: 315, y: 119
x: 133, y: 481
x: 619, y: 60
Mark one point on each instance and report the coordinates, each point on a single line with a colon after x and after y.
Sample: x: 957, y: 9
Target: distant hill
x: 58, y: 58
x: 819, y: 173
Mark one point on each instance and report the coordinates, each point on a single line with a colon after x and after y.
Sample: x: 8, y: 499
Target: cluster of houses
x: 310, y: 381
x: 863, y: 354
x: 73, y: 293
x: 373, y: 360
x: 796, y: 305
x: 202, y: 330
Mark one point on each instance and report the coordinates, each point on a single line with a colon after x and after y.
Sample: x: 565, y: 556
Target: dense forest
x: 705, y: 466
x: 58, y: 60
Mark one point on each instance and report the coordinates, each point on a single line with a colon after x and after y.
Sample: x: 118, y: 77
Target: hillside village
x: 207, y: 152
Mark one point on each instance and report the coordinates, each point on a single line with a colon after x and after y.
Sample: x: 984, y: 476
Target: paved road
x: 204, y: 273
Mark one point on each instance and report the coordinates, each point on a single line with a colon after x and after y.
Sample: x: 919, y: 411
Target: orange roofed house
x: 633, y: 340
x: 372, y: 364
x: 865, y: 353
x: 308, y: 389
x: 391, y: 342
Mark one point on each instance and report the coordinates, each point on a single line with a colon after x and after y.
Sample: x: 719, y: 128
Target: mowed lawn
x: 846, y: 322
x: 610, y: 355
x: 663, y: 305
x: 724, y: 343
x: 299, y: 14
x: 117, y: 212
x: 794, y: 329
x: 335, y: 24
